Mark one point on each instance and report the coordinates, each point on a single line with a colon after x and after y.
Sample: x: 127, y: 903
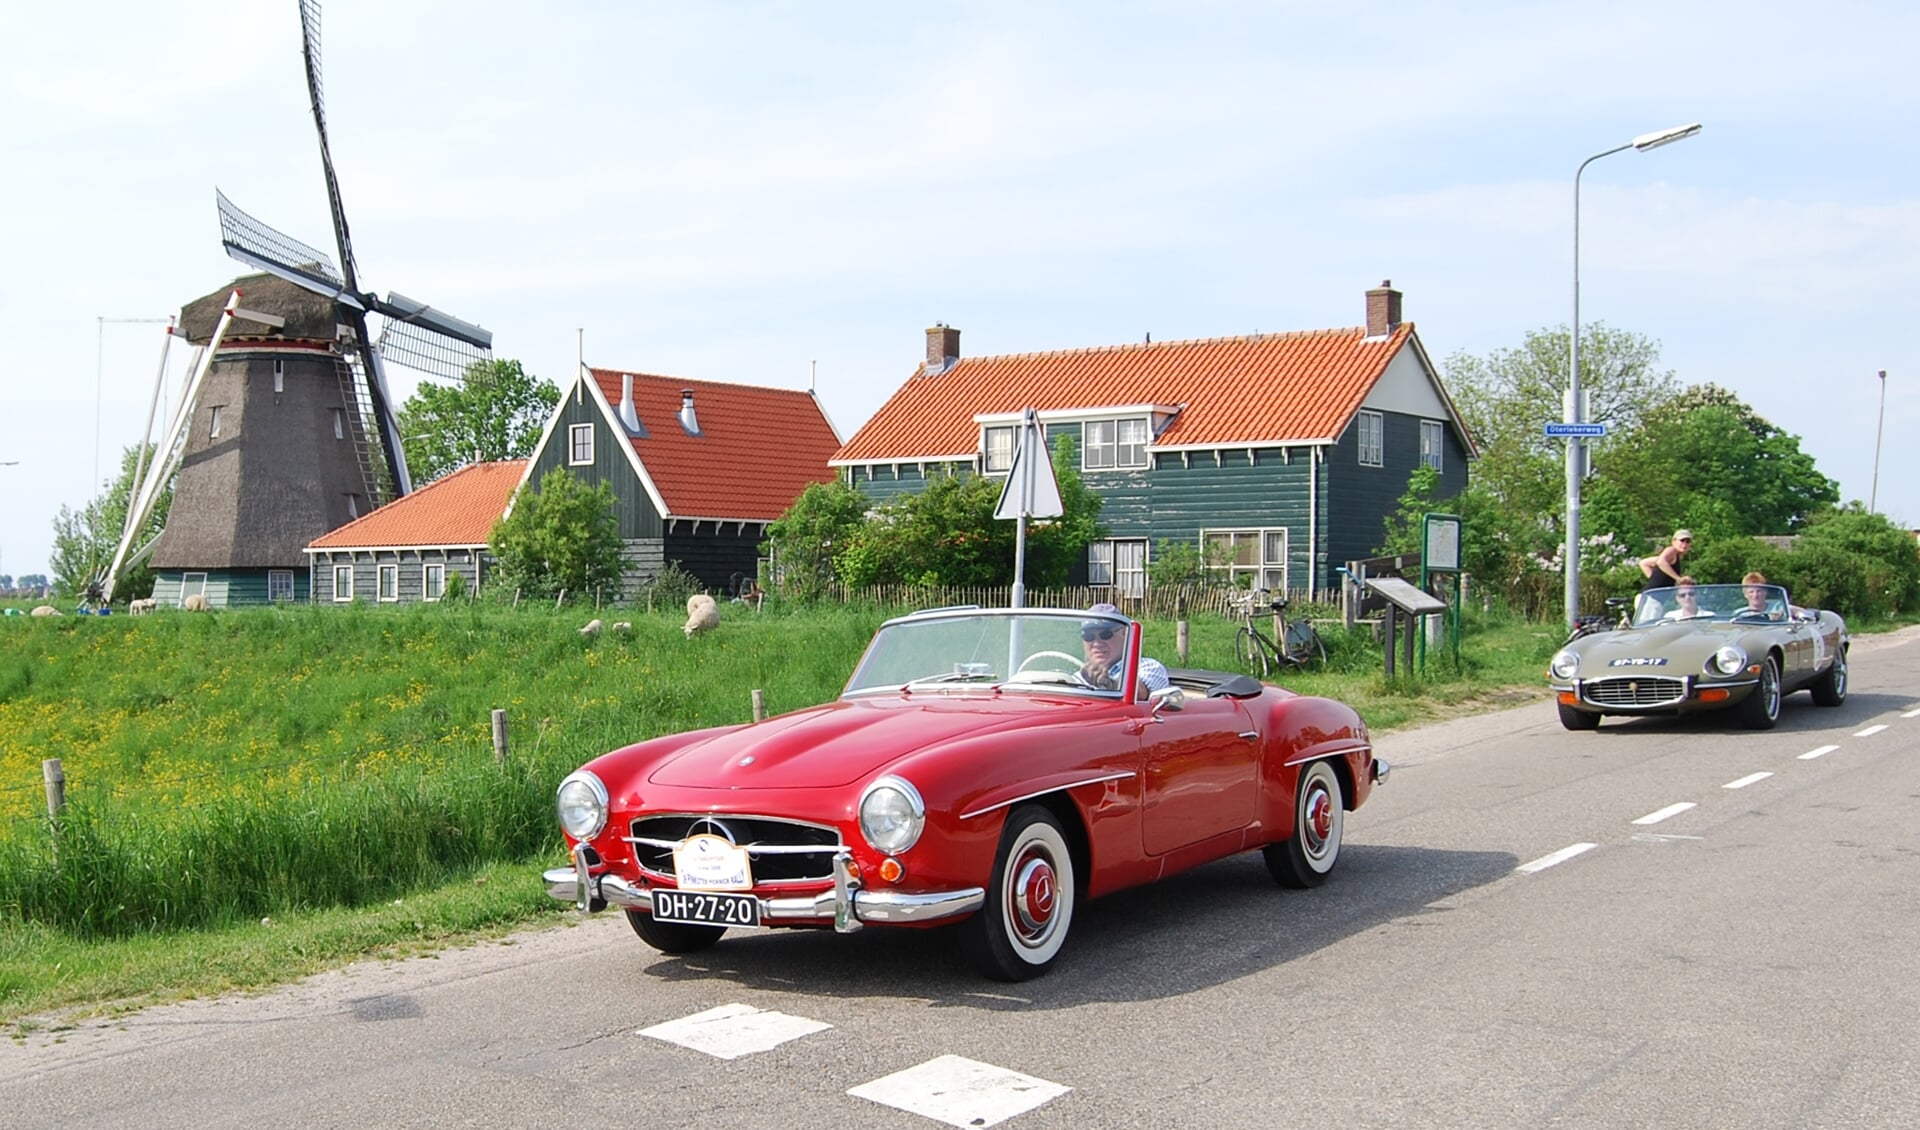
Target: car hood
x: 842, y: 742
x: 1681, y: 643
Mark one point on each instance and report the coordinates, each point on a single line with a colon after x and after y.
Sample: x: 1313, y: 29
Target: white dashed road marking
x: 1560, y: 856
x: 1911, y: 714
x: 1670, y: 810
x: 1749, y: 779
x: 1870, y: 731
x: 734, y: 1030
x: 960, y: 1092
x: 1821, y: 752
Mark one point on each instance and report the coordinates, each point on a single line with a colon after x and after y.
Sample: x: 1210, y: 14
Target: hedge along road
x: 1744, y: 960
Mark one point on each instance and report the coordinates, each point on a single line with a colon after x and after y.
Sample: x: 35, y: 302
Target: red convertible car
x: 968, y: 774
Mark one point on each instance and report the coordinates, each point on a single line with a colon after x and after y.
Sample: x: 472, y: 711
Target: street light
x: 1575, y: 413
x: 1873, y: 496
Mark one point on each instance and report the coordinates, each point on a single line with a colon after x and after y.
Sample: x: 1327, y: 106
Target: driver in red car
x: 1105, y: 642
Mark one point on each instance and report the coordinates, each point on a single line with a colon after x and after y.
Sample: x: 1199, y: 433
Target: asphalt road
x: 1745, y: 962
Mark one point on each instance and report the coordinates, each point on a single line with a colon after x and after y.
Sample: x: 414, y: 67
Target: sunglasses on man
x: 1091, y: 634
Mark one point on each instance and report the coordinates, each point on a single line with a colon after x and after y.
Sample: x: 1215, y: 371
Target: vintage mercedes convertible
x: 1703, y: 647
x: 968, y: 774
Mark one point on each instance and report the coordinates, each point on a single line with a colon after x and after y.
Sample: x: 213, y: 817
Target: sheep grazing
x: 50, y: 610
x: 592, y: 629
x: 196, y: 603
x: 623, y: 625
x: 142, y: 606
x: 703, y: 614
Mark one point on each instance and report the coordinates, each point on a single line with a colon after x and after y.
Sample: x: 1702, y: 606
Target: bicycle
x: 1603, y: 621
x: 1257, y: 651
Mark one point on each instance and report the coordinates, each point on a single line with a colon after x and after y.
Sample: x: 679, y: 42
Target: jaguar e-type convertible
x: 1703, y: 647
x: 967, y: 775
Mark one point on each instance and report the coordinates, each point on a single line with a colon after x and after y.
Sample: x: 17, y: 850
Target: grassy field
x: 255, y: 795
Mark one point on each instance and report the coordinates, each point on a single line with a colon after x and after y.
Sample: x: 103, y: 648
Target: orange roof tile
x: 758, y: 448
x: 459, y: 509
x: 1257, y: 389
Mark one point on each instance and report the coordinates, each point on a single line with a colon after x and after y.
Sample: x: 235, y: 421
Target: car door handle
x: 1250, y: 735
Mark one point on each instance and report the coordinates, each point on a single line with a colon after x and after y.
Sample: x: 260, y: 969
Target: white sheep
x: 142, y: 606
x: 703, y: 613
x: 196, y: 603
x: 50, y: 610
x: 593, y: 627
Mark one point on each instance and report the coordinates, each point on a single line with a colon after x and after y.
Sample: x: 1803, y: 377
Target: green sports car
x: 1703, y: 647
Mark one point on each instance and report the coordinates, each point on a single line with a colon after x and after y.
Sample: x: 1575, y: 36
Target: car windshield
x: 966, y: 649
x: 1745, y: 603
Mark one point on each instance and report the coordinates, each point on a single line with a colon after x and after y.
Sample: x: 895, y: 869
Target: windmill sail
x: 277, y: 253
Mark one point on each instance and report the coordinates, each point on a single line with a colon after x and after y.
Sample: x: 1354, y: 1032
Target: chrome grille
x: 782, y: 851
x: 1637, y: 690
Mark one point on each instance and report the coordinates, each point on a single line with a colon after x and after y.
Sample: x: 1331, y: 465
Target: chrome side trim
x: 1121, y: 776
x: 1325, y: 755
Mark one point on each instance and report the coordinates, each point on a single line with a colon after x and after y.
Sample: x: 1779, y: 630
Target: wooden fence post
x: 561, y: 599
x: 500, y: 736
x: 1181, y: 647
x: 56, y: 779
x: 759, y: 705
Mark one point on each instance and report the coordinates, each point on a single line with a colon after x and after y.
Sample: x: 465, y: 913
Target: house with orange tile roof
x: 404, y: 551
x: 698, y: 469
x: 1281, y: 455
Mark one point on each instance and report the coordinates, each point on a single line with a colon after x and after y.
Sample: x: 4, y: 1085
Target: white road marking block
x: 1870, y: 731
x: 1670, y: 810
x: 1560, y: 856
x: 1911, y: 714
x: 1749, y: 779
x: 960, y: 1091
x: 1821, y: 752
x: 734, y: 1030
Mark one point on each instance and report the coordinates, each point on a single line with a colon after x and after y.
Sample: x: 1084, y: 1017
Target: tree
x: 804, y: 539
x: 564, y: 537
x: 84, y: 540
x: 496, y: 412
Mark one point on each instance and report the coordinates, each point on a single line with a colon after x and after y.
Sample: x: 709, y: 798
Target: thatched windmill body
x: 286, y: 430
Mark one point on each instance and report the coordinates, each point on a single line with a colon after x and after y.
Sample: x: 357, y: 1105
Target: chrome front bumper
x: 1380, y: 771
x: 848, y: 905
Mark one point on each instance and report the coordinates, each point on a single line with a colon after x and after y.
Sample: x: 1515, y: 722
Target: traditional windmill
x: 286, y: 429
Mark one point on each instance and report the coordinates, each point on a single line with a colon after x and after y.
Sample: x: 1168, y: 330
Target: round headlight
x: 892, y: 815
x: 1564, y: 665
x: 583, y: 805
x: 1727, y: 661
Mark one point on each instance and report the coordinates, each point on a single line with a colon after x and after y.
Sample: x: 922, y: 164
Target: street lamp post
x: 1873, y: 495
x: 1575, y: 413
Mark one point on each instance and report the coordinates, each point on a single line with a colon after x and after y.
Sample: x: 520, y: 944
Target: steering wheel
x: 1074, y: 662
x: 1752, y: 614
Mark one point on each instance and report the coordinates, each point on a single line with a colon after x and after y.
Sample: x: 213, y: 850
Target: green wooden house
x: 1284, y: 453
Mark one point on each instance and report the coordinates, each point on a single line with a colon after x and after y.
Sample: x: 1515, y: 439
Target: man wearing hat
x: 1105, y: 642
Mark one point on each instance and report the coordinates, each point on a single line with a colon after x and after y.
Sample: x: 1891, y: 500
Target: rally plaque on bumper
x: 703, y: 908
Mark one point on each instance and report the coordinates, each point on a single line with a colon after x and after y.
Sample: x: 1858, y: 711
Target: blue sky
x: 750, y: 192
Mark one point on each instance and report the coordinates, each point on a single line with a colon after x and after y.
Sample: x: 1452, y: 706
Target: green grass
x: 307, y: 767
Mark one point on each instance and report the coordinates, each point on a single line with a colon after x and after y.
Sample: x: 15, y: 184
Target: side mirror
x: 1169, y: 698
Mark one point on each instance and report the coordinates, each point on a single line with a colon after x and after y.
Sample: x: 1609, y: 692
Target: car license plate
x: 701, y: 908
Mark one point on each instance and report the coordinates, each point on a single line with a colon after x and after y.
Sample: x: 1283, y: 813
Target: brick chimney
x: 943, y: 347
x: 1383, y: 309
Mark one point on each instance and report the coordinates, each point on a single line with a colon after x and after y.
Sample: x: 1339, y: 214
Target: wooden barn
x: 1283, y: 453
x: 405, y: 552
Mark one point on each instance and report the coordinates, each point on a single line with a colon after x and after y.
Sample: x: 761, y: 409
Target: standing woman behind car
x: 1662, y: 570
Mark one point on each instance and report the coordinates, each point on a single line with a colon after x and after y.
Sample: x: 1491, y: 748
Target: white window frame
x: 1433, y: 443
x: 279, y: 376
x: 1119, y: 444
x: 1099, y: 563
x: 1265, y: 567
x: 1373, y: 447
x: 579, y: 445
x: 996, y: 449
x: 340, y: 423
x: 343, y: 594
x: 213, y: 427
x: 277, y: 578
x: 433, y: 581
x: 192, y: 584
x: 387, y: 586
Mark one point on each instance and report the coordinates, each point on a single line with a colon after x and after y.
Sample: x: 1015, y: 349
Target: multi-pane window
x: 1130, y: 567
x: 433, y: 581
x: 1373, y: 439
x: 342, y: 583
x: 389, y: 582
x: 1255, y: 559
x: 1432, y: 438
x: 997, y: 445
x: 580, y: 444
x: 1114, y: 444
x: 279, y: 585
